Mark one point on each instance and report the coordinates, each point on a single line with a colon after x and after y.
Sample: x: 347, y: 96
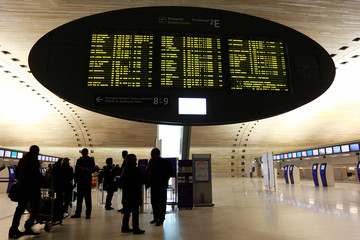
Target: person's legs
x: 162, y: 204
x: 35, y: 204
x: 14, y: 231
x: 88, y: 203
x: 126, y: 217
x: 155, y: 204
x: 109, y: 196
x: 79, y: 200
x: 67, y: 199
x: 135, y: 220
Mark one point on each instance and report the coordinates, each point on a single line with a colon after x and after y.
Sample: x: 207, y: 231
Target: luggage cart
x: 50, y: 212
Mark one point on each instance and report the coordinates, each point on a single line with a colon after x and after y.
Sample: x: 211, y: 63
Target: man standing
x: 28, y: 176
x: 109, y: 182
x: 158, y: 173
x: 84, y: 168
x: 123, y: 154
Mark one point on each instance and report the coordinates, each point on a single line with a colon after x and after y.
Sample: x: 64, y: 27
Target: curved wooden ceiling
x: 29, y: 114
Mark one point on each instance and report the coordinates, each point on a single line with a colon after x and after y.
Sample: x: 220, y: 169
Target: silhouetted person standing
x: 84, y: 168
x: 109, y: 182
x: 67, y: 176
x: 158, y: 173
x: 30, y: 179
x: 132, y: 180
x: 123, y: 154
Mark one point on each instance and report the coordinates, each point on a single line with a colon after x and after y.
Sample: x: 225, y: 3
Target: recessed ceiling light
x: 344, y: 48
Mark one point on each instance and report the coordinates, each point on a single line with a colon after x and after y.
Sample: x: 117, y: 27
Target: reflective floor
x: 243, y: 210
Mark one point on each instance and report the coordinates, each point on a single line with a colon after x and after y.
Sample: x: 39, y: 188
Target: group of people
x: 130, y: 180
x: 30, y: 181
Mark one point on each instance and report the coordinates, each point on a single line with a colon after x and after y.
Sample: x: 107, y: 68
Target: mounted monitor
x: 7, y: 153
x: 14, y: 154
x: 315, y: 152
x: 336, y: 149
x: 322, y: 151
x: 329, y: 150
x: 354, y: 147
x: 192, y: 106
x: 345, y: 148
x: 139, y: 63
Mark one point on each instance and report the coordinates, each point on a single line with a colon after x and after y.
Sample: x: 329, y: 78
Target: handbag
x: 15, y: 192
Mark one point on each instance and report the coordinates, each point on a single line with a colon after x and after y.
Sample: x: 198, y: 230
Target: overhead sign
x: 137, y: 63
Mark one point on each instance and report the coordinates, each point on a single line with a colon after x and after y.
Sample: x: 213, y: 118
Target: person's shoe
x: 121, y: 210
x: 159, y: 223
x: 126, y: 230
x: 15, y: 233
x: 153, y: 221
x: 87, y: 217
x: 109, y: 208
x: 30, y: 232
x: 138, y: 231
x: 75, y: 216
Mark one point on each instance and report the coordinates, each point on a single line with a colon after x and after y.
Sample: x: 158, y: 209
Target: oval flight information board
x: 181, y: 65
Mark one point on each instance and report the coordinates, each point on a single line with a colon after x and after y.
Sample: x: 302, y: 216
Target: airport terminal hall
x: 179, y: 120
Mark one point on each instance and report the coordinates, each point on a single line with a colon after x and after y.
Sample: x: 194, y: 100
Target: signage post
x: 202, y: 186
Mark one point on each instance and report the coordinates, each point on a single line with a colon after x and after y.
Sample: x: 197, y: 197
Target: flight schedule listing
x: 120, y: 60
x: 257, y: 65
x: 191, y: 62
x: 175, y: 60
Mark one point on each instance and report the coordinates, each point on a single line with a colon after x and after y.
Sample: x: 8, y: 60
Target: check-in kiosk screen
x: 315, y: 167
x: 322, y: 167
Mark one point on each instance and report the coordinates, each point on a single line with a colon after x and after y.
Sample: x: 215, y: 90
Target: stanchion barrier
x: 103, y: 191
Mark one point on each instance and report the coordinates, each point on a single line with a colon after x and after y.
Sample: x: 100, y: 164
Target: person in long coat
x: 28, y: 176
x: 158, y: 173
x: 132, y: 180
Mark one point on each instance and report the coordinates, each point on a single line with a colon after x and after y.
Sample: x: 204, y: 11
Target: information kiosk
x: 294, y: 174
x: 327, y: 175
x: 7, y: 179
x: 315, y: 174
x: 185, y: 184
x: 358, y: 170
x: 286, y: 175
x: 12, y: 170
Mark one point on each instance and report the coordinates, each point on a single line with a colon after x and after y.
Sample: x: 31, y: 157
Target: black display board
x: 137, y: 63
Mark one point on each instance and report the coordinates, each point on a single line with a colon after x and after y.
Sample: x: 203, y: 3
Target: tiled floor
x: 243, y: 210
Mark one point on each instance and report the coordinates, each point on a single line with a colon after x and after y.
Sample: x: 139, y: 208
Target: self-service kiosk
x: 294, y: 174
x: 316, y: 175
x: 7, y: 179
x: 358, y: 170
x: 286, y: 174
x: 327, y: 175
x: 12, y: 170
